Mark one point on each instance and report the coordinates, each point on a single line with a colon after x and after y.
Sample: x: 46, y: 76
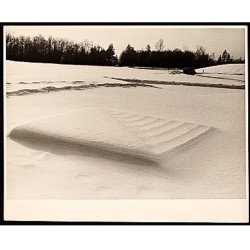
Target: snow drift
x: 229, y: 69
x: 126, y: 133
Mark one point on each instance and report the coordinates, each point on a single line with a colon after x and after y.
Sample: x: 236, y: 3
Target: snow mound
x: 116, y: 131
x: 230, y: 69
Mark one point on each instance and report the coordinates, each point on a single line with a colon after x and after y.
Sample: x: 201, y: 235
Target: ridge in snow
x: 121, y: 132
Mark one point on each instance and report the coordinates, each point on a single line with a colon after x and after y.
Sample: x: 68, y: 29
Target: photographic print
x: 125, y: 113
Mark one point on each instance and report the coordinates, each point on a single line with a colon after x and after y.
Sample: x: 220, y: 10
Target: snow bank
x: 126, y: 133
x: 229, y: 69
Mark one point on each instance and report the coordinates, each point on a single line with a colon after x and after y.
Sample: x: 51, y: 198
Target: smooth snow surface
x: 116, y: 131
x: 106, y: 142
x: 229, y: 69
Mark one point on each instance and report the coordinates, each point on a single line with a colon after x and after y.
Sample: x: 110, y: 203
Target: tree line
x: 53, y: 50
x: 63, y: 51
x: 172, y: 58
x: 165, y: 58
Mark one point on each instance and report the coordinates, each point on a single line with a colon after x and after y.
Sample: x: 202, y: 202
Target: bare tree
x: 212, y: 56
x: 159, y: 46
x: 200, y: 51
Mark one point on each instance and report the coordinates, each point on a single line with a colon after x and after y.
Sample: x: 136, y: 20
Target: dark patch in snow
x: 211, y: 85
x: 81, y: 87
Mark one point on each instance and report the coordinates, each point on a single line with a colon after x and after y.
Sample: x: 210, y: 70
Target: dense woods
x: 52, y: 50
x: 172, y: 58
x: 56, y: 50
x: 165, y: 58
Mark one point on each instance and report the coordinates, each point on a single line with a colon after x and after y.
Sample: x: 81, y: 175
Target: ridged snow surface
x: 117, y: 131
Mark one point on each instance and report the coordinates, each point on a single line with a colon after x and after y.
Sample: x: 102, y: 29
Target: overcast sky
x: 215, y: 40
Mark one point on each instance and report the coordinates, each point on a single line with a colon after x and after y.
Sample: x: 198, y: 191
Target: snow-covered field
x: 27, y: 78
x: 132, y: 140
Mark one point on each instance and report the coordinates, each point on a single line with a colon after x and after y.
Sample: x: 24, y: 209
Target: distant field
x: 31, y: 78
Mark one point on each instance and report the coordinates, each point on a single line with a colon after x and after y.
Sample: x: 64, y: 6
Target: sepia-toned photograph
x: 125, y: 112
